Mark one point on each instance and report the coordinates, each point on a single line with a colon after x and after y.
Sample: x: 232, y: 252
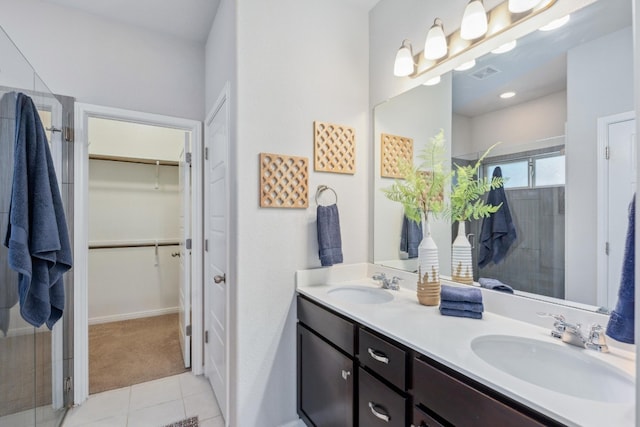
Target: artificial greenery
x: 466, y: 195
x: 421, y: 192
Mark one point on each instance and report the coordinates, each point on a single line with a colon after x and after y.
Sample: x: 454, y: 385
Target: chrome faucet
x: 393, y: 284
x: 572, y: 334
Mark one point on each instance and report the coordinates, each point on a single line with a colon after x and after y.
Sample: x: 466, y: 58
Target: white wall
x: 414, y: 115
x: 125, y: 207
x: 296, y: 62
x: 102, y: 62
x: 595, y: 88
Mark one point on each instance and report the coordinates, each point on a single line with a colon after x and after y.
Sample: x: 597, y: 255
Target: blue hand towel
x: 476, y: 307
x: 37, y: 236
x: 494, y: 284
x: 8, y: 277
x: 329, y: 240
x: 454, y: 293
x: 460, y: 313
x: 621, y: 321
x: 498, y: 232
x: 410, y: 237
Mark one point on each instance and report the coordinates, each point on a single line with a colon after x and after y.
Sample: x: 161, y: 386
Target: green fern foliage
x: 421, y: 192
x: 466, y: 195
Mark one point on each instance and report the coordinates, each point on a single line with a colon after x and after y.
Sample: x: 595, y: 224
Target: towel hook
x: 321, y: 189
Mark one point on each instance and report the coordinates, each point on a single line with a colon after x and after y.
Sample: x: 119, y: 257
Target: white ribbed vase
x: 461, y: 264
x: 428, y: 290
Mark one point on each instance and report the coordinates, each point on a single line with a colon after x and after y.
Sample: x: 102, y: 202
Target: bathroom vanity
x: 367, y: 360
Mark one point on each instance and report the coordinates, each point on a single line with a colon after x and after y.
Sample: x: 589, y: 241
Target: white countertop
x: 448, y: 340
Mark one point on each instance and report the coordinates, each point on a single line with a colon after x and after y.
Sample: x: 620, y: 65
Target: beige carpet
x: 133, y: 351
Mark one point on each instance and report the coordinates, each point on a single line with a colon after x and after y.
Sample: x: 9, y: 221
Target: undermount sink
x: 560, y: 368
x: 360, y: 294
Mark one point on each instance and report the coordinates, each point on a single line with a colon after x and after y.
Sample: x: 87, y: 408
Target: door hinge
x: 206, y: 153
x: 206, y: 337
x: 68, y: 384
x: 187, y: 158
x: 607, y: 152
x: 606, y: 248
x: 188, y: 244
x: 206, y: 245
x: 188, y: 330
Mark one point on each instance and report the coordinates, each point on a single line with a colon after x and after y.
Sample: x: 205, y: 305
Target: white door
x: 184, y: 305
x: 216, y: 226
x: 620, y: 188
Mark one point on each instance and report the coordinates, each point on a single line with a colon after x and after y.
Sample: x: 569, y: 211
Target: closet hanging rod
x: 132, y: 160
x: 133, y: 245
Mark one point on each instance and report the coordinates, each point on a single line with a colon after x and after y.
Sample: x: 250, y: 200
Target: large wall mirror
x: 573, y: 97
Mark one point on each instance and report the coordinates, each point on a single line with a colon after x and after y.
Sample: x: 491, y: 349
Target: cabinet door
x: 325, y: 382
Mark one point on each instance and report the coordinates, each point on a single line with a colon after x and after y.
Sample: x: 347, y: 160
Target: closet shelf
x: 132, y: 160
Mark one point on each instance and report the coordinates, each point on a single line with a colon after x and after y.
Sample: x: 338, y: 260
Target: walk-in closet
x: 134, y: 270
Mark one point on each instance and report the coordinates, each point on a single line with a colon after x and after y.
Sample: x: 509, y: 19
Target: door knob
x: 220, y: 279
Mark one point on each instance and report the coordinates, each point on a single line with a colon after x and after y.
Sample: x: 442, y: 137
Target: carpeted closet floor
x: 133, y: 351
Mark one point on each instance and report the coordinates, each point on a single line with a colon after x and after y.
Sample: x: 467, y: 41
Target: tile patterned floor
x: 151, y: 404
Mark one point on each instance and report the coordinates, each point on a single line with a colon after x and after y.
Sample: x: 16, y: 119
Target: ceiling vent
x: 484, y: 72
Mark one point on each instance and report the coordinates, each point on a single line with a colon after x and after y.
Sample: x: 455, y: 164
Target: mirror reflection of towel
x: 498, y: 232
x: 329, y: 240
x: 621, y: 322
x: 410, y: 237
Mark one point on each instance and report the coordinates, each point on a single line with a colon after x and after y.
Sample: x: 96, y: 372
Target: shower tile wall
x: 535, y: 262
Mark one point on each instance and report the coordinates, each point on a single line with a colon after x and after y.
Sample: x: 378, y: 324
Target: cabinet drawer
x: 422, y: 419
x: 382, y: 357
x: 334, y: 328
x: 461, y: 404
x: 378, y: 405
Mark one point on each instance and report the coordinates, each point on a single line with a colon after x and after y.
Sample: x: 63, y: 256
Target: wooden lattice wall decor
x: 284, y: 181
x: 393, y: 148
x: 334, y: 148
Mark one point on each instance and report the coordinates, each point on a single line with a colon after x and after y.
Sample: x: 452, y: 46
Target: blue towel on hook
x: 329, y: 240
x: 410, y: 237
x: 498, y: 232
x: 621, y: 321
x: 37, y: 237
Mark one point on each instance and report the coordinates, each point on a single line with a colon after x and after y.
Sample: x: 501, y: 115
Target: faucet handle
x: 379, y: 276
x: 559, y: 325
x: 395, y: 282
x: 597, y: 340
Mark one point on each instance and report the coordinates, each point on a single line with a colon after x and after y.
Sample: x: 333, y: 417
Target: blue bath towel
x: 329, y: 240
x: 454, y: 293
x: 621, y: 322
x: 37, y: 236
x: 410, y: 237
x: 476, y: 307
x: 498, y: 232
x: 494, y: 284
x: 8, y: 277
x: 460, y: 313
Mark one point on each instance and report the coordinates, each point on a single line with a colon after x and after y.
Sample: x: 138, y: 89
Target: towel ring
x: 321, y: 189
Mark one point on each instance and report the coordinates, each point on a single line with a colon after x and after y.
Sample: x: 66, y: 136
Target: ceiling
x: 185, y: 19
x: 532, y: 71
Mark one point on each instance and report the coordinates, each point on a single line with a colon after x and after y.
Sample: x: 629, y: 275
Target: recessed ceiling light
x: 433, y: 81
x: 505, y: 47
x: 466, y: 65
x: 507, y: 95
x: 555, y: 24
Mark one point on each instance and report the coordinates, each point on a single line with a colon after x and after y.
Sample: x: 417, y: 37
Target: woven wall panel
x: 393, y: 148
x: 334, y: 148
x: 284, y: 181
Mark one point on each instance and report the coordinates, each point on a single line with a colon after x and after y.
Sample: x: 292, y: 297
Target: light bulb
x: 435, y: 46
x: 519, y: 6
x: 432, y: 81
x: 404, y: 64
x: 474, y: 21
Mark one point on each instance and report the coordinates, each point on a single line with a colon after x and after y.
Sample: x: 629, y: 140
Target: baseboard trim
x: 135, y: 315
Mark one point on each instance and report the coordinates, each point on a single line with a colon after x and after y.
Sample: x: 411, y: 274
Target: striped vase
x: 428, y: 291
x: 461, y: 264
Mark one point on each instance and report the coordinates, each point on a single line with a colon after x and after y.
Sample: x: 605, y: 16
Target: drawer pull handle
x: 376, y: 355
x: 345, y: 374
x: 380, y: 415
